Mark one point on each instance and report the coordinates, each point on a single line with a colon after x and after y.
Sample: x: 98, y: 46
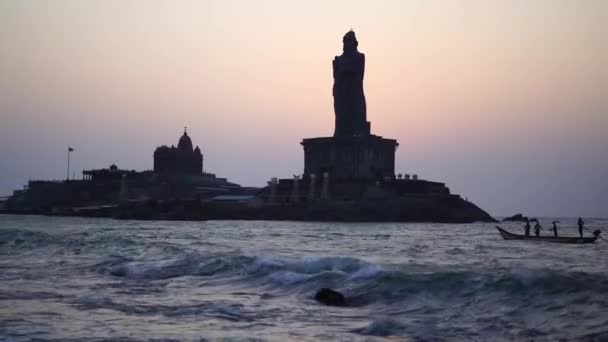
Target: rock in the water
x: 516, y: 218
x: 328, y: 296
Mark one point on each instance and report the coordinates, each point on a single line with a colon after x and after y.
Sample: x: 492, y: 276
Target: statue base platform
x: 366, y: 157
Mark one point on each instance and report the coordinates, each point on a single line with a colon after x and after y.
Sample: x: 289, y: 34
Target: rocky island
x: 349, y: 176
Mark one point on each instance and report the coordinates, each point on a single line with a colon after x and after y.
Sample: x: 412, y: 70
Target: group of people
x: 538, y: 227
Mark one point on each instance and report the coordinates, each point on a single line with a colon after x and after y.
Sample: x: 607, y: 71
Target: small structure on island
x: 177, y: 176
x: 182, y: 159
x: 180, y: 170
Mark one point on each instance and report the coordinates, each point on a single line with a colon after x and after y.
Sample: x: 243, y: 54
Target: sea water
x: 82, y: 279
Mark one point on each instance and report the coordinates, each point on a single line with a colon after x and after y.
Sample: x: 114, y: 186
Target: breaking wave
x: 362, y: 281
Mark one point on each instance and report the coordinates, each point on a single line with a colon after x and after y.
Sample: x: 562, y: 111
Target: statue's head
x: 350, y: 42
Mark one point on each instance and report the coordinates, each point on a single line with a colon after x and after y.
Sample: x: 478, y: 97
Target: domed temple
x: 180, y: 160
x: 177, y: 176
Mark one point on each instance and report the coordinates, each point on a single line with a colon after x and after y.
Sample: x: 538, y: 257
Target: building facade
x: 350, y: 158
x: 182, y: 159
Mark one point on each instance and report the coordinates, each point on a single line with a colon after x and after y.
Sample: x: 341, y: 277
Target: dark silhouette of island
x: 349, y: 176
x: 174, y: 189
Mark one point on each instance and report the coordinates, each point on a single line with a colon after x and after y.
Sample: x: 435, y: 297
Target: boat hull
x: 560, y: 239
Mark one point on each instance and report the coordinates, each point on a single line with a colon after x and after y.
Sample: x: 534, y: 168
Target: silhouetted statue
x: 349, y: 99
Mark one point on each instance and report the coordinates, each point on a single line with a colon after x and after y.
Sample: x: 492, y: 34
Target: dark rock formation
x: 349, y: 99
x: 441, y: 209
x: 516, y: 218
x: 331, y: 297
x: 395, y: 200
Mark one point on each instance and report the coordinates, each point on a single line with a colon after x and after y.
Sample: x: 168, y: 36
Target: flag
x: 70, y: 149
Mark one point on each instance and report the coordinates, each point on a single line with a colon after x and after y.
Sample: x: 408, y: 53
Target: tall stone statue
x: 349, y: 99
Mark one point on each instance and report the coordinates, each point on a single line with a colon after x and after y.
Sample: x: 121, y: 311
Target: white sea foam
x: 370, y: 271
x: 288, y: 277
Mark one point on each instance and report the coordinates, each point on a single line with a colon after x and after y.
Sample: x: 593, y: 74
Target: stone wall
x: 350, y: 158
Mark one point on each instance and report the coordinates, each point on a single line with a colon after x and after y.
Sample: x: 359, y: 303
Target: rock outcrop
x: 440, y: 209
x: 331, y: 297
x: 516, y: 218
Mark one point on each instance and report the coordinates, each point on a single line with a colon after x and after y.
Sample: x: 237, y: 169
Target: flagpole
x: 68, y: 172
x: 67, y: 178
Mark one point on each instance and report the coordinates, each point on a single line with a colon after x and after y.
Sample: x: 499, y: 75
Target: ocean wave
x: 381, y: 328
x: 28, y: 295
x: 19, y: 238
x: 362, y: 281
x: 197, y: 264
x: 367, y: 272
x: 167, y: 268
x: 217, y: 310
x: 288, y: 278
x: 188, y: 264
x: 281, y: 269
x: 306, y: 265
x: 24, y: 240
x: 161, y: 269
x: 500, y: 286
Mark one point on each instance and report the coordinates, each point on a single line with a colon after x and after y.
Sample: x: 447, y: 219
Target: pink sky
x: 505, y: 101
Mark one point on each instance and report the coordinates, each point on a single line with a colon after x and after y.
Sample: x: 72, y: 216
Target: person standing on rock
x: 555, y: 228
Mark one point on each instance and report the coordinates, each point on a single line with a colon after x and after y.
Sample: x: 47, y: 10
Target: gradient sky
x: 505, y: 101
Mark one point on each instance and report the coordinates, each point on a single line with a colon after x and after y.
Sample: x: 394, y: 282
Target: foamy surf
x: 73, y: 279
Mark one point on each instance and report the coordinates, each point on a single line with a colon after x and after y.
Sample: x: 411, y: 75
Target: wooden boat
x: 560, y: 239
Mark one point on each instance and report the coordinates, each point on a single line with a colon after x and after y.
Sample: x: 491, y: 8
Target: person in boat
x: 581, y: 225
x: 527, y: 227
x: 555, y: 228
x: 537, y: 229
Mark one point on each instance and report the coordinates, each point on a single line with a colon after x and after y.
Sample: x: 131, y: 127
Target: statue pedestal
x: 366, y: 158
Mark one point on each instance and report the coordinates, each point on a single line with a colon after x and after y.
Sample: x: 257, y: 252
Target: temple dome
x: 161, y: 149
x: 185, y: 144
x: 180, y: 160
